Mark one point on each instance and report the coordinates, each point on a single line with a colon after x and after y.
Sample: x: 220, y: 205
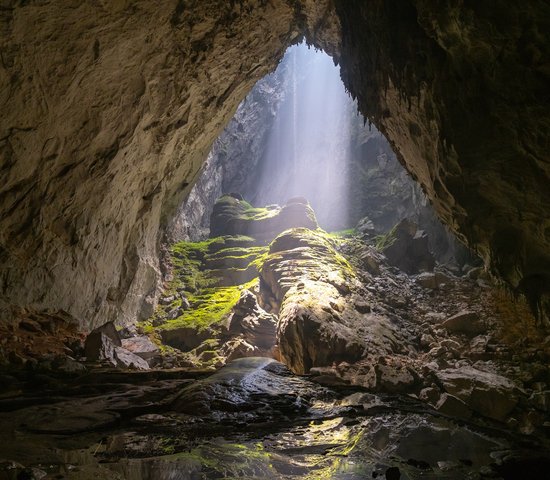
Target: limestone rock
x: 255, y: 325
x: 233, y: 216
x: 312, y: 287
x: 407, y: 248
x: 141, y: 346
x: 393, y: 378
x: 488, y: 394
x: 466, y: 322
x: 69, y: 365
x: 101, y: 342
x: 541, y: 400
x: 123, y: 358
x: 453, y: 406
x: 365, y: 226
x: 184, y: 338
x: 104, y: 344
x: 432, y: 280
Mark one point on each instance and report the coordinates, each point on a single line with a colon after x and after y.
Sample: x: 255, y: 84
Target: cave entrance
x: 298, y: 133
x: 295, y: 154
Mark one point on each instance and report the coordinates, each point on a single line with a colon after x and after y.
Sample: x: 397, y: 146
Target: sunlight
x: 308, y: 148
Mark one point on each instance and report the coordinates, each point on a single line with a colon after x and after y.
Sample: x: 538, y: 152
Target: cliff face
x: 110, y: 108
x: 461, y: 92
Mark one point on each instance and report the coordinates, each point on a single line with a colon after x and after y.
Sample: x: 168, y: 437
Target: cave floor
x: 251, y: 419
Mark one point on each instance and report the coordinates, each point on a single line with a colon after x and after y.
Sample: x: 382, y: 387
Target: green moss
x: 210, y: 303
x: 210, y: 307
x: 381, y: 242
x: 350, y: 232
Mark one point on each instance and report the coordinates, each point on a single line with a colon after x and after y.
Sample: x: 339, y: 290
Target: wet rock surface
x: 430, y: 375
x: 251, y: 419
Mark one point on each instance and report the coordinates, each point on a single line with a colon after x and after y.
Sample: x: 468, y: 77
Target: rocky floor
x: 389, y: 372
x: 251, y: 419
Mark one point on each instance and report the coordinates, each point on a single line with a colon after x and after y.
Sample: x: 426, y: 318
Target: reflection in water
x: 261, y: 422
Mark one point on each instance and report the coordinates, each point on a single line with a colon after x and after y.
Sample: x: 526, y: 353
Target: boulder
x: 142, y: 346
x: 365, y: 227
x: 99, y: 347
x: 238, y: 348
x: 123, y: 358
x: 406, y: 248
x: 101, y: 341
x: 257, y: 327
x: 310, y: 336
x: 488, y: 394
x: 67, y: 364
x: 234, y: 216
x: 467, y: 323
x: 393, y: 378
x: 452, y: 406
x: 313, y: 288
x: 104, y: 343
x: 432, y: 280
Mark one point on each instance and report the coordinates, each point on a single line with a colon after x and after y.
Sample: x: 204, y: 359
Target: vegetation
x: 381, y: 242
x: 210, y: 302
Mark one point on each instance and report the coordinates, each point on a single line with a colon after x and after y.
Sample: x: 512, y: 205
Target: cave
x: 408, y: 339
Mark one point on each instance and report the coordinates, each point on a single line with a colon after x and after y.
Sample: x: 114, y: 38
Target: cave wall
x: 109, y: 109
x: 234, y: 162
x: 461, y: 89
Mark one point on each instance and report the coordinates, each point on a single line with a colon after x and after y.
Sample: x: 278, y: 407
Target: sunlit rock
x: 313, y: 287
x: 234, y: 216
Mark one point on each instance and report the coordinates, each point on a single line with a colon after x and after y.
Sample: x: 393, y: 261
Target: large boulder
x: 104, y: 344
x: 406, y: 247
x: 313, y: 288
x: 488, y: 394
x: 467, y: 323
x: 142, y: 346
x: 234, y: 216
x: 100, y: 342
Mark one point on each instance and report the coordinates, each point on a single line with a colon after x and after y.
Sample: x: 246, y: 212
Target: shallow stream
x: 252, y: 419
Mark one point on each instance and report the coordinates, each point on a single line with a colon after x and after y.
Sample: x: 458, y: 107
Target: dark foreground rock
x: 251, y: 419
x: 104, y: 344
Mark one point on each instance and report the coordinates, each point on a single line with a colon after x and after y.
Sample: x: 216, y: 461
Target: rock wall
x: 461, y: 91
x: 233, y: 163
x: 109, y: 109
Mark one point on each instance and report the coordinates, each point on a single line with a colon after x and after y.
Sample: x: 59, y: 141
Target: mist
x: 307, y: 152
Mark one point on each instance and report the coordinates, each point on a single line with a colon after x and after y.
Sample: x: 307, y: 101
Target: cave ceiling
x: 109, y: 109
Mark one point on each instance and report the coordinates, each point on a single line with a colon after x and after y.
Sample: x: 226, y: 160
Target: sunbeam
x: 307, y: 152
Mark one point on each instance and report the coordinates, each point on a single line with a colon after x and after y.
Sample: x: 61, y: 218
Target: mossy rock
x: 234, y: 216
x: 207, y: 280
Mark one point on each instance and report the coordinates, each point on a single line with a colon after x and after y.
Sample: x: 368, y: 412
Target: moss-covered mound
x: 234, y: 216
x: 314, y: 289
x: 207, y: 281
